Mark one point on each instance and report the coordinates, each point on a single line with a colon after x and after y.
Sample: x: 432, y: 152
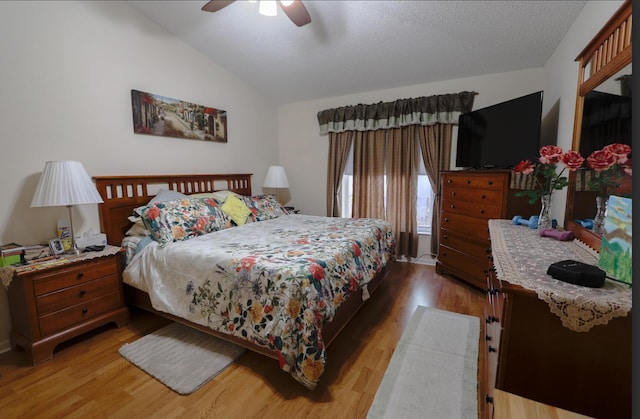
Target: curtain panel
x: 425, y: 110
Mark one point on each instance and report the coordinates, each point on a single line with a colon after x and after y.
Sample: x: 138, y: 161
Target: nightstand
x: 52, y: 303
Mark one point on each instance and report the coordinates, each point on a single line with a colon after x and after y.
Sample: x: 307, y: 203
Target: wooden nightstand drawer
x: 51, y: 304
x: 73, y: 275
x: 77, y: 294
x: 78, y: 313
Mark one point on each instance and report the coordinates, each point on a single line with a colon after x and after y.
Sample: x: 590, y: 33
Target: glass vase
x: 544, y: 219
x: 601, y: 209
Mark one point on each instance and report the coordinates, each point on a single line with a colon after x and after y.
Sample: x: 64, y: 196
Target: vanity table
x: 550, y: 341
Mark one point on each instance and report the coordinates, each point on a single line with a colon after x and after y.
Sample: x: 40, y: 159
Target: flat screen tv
x: 501, y: 135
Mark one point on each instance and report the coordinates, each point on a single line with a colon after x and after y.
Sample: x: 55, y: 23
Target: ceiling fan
x: 294, y: 9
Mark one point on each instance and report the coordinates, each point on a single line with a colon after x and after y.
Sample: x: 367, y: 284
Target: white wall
x: 66, y: 75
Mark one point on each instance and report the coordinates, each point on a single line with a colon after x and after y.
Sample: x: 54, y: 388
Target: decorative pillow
x: 182, y: 219
x: 236, y: 209
x: 263, y: 207
x: 162, y: 196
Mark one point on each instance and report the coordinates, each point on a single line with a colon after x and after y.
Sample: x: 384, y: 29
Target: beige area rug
x: 433, y: 371
x: 182, y: 358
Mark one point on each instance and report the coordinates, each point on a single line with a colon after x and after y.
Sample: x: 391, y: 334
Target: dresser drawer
x: 476, y: 228
x: 78, y: 313
x: 73, y: 275
x: 465, y: 264
x: 77, y: 294
x: 474, y: 180
x: 473, y: 247
x: 476, y: 203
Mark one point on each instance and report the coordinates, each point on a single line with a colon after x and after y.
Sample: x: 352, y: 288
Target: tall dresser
x: 469, y: 199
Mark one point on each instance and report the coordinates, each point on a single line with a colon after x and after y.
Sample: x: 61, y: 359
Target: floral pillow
x: 182, y: 219
x: 263, y: 207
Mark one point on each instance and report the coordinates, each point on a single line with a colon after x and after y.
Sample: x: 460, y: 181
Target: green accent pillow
x: 236, y: 209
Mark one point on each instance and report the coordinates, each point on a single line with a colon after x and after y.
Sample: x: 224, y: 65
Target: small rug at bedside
x: 433, y: 373
x: 182, y: 358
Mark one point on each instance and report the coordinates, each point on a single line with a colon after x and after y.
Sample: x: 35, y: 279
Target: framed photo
x: 56, y: 246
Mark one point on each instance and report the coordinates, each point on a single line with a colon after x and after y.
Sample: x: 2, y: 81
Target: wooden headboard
x: 121, y: 194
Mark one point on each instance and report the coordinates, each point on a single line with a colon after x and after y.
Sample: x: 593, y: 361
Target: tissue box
x: 92, y: 240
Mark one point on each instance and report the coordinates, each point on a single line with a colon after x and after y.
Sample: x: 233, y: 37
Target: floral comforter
x: 274, y: 282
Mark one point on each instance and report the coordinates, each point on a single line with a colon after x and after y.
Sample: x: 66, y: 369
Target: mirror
x: 603, y: 113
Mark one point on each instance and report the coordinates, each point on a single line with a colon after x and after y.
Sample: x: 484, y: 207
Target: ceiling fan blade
x: 297, y: 13
x: 215, y: 5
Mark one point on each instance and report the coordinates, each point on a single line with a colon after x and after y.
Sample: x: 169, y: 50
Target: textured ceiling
x: 357, y: 46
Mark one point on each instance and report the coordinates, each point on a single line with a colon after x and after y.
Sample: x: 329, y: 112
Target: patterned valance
x: 426, y: 110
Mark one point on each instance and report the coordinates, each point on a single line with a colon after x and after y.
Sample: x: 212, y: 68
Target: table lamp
x: 65, y: 183
x: 276, y: 178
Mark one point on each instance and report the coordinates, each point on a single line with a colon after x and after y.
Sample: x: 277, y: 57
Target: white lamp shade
x: 65, y: 183
x: 276, y: 178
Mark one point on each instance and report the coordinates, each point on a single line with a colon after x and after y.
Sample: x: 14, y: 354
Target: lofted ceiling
x: 358, y: 46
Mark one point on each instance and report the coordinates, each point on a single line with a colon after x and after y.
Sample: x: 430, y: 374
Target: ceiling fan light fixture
x: 268, y: 8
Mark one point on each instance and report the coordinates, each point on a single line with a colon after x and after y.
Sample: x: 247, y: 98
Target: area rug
x: 182, y: 358
x: 433, y: 371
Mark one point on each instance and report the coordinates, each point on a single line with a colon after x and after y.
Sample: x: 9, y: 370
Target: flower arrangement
x: 545, y: 174
x: 610, y: 163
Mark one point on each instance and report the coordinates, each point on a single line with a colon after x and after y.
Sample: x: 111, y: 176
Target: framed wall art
x: 166, y: 117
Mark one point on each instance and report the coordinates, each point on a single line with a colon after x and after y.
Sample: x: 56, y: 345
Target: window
x: 424, y: 203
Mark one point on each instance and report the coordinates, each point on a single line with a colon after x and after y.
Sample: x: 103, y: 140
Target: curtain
x: 402, y: 185
x: 339, y: 146
x: 368, y: 174
x: 385, y: 146
x: 435, y: 144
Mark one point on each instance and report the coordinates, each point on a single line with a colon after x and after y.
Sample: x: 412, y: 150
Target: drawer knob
x: 488, y: 399
x: 446, y: 220
x: 452, y: 206
x: 490, y: 182
x: 483, y: 196
x: 449, y: 181
x: 481, y: 211
x: 468, y: 182
x: 85, y: 310
x: 82, y: 293
x: 80, y: 275
x: 453, y: 194
x: 492, y: 349
x: 445, y: 236
x: 488, y: 338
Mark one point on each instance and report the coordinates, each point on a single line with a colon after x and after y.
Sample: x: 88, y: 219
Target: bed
x: 283, y: 285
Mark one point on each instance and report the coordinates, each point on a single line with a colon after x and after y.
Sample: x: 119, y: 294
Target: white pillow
x: 164, y: 195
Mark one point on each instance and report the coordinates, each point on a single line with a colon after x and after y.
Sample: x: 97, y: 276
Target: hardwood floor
x: 88, y: 378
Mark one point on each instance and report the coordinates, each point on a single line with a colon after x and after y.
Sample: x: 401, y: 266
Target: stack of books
x: 11, y: 254
x: 35, y: 252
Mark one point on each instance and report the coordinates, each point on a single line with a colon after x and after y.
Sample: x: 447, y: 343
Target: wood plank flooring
x: 88, y: 378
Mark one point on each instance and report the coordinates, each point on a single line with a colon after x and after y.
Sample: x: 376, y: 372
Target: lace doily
x: 521, y: 257
x: 7, y: 272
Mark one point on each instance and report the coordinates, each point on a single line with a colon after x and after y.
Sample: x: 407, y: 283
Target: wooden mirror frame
x: 607, y: 53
